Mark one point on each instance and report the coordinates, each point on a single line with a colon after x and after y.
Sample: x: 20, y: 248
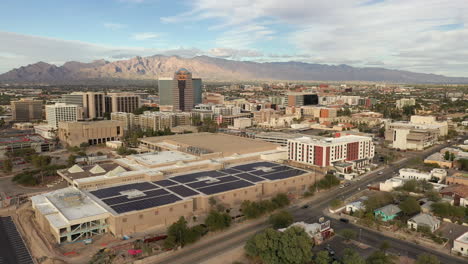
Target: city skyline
x: 420, y: 36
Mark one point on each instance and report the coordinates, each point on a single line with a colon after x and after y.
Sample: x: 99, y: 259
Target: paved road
x: 202, y: 251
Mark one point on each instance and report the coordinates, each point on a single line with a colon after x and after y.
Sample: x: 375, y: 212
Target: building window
x: 235, y: 194
x: 124, y: 220
x: 141, y: 216
x: 185, y: 206
x: 170, y: 209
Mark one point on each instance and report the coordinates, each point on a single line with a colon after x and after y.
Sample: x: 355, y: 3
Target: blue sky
x: 417, y: 35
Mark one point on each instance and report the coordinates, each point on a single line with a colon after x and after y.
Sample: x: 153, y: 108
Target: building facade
x: 94, y: 105
x: 26, y: 110
x: 182, y: 91
x: 92, y: 133
x: 325, y: 152
x: 61, y: 112
x: 124, y: 102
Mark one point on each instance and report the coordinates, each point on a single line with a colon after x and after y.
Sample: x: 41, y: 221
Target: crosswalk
x: 15, y: 243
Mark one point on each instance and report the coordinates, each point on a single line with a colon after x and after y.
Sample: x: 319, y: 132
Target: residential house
x: 388, y: 212
x: 458, y: 192
x: 460, y: 245
x: 356, y: 205
x: 423, y: 219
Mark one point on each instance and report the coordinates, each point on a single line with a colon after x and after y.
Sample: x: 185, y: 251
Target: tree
x: 410, y: 206
x: 322, y: 257
x: 71, y: 160
x: 378, y: 200
x: 384, y: 246
x: 281, y: 219
x: 348, y: 234
x: 427, y: 259
x: 217, y: 221
x: 452, y: 156
x: 280, y: 200
x: 292, y: 246
x: 447, y: 155
x: 7, y: 165
x: 336, y: 203
x: 463, y: 164
x: 379, y: 257
x: 179, y: 234
x: 350, y: 256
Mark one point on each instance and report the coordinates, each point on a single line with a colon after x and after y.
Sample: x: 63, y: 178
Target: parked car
x: 344, y: 220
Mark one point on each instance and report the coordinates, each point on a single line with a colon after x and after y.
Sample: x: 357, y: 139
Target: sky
x: 428, y: 36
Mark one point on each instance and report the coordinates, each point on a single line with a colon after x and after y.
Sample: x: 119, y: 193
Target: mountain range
x: 209, y: 68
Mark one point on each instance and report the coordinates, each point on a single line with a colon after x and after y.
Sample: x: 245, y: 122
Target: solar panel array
x: 158, y: 193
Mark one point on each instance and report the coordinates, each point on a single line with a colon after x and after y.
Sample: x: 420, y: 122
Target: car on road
x: 347, y: 184
x: 380, y: 172
x: 342, y: 186
x: 305, y: 206
x: 330, y: 250
x: 344, y: 220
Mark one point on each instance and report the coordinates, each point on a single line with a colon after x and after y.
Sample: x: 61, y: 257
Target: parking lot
x: 13, y: 249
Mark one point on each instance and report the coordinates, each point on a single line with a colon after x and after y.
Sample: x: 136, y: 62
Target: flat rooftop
x: 65, y: 205
x: 143, y: 195
x: 162, y: 157
x: 22, y: 138
x: 330, y: 140
x: 213, y: 143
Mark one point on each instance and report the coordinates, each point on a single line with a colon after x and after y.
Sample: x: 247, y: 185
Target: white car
x: 381, y: 172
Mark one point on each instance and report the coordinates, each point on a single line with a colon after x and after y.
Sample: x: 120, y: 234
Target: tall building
x: 75, y: 98
x: 26, y: 110
x: 182, y: 91
x: 123, y: 102
x: 405, y: 102
x: 61, y: 112
x: 325, y: 152
x: 301, y: 99
x: 94, y: 105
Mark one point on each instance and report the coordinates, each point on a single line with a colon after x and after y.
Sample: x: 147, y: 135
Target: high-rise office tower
x: 26, y: 110
x: 75, y: 98
x: 94, y: 105
x: 123, y: 102
x: 182, y: 91
x: 61, y: 112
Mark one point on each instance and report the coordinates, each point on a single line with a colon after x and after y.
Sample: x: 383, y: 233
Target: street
x: 204, y: 250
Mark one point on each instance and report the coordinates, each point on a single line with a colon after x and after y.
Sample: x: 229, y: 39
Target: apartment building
x: 324, y: 152
x: 405, y: 102
x: 26, y: 110
x: 123, y: 102
x: 61, y: 112
x: 92, y: 133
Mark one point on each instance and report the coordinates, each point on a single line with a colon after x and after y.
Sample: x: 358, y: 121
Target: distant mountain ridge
x: 209, y: 68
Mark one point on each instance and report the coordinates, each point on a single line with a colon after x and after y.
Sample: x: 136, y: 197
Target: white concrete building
x: 61, y: 112
x: 460, y: 245
x: 324, y: 152
x: 423, y: 219
x: 405, y: 102
x: 390, y: 184
x: 241, y: 123
x: 413, y: 174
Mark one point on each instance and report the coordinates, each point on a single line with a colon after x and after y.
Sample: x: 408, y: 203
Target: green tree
x: 282, y: 219
x: 350, y: 256
x: 71, y: 160
x: 379, y: 257
x: 447, y: 155
x: 348, y: 234
x: 336, y: 203
x: 384, y: 246
x: 292, y: 246
x: 7, y: 165
x: 280, y: 200
x: 463, y: 164
x: 179, y: 234
x: 452, y: 156
x: 322, y: 257
x: 410, y: 206
x: 378, y: 200
x: 217, y: 221
x: 328, y: 181
x: 427, y: 259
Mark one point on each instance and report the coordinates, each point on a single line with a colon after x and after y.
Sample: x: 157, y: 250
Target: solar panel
x: 249, y: 177
x: 114, y: 191
x: 230, y: 171
x: 124, y: 199
x: 225, y: 187
x: 165, y: 183
x: 145, y: 204
x: 252, y: 166
x: 283, y: 174
x: 270, y: 170
x: 193, y: 177
x: 183, y: 191
x: 201, y: 184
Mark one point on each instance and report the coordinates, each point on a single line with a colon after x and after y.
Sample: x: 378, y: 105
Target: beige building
x: 128, y: 120
x: 26, y: 110
x: 71, y: 214
x: 97, y: 132
x: 94, y: 105
x: 123, y: 102
x: 61, y: 112
x: 405, y: 102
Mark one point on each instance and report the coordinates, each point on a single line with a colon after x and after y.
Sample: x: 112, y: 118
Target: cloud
x: 20, y: 50
x: 114, y: 26
x: 145, y: 36
x: 418, y: 35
